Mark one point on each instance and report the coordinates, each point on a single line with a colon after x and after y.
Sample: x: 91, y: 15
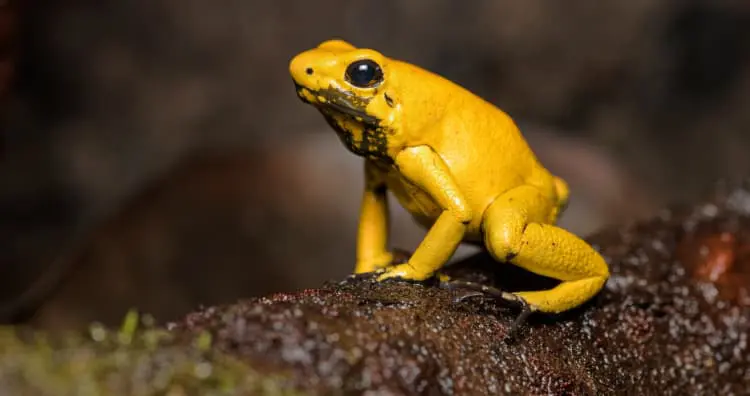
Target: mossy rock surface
x: 130, y: 361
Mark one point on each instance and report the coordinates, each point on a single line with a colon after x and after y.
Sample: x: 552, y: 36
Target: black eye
x: 364, y: 73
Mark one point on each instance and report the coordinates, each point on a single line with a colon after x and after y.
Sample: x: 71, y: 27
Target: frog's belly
x: 421, y: 206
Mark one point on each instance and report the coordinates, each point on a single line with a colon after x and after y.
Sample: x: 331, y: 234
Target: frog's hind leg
x: 516, y: 230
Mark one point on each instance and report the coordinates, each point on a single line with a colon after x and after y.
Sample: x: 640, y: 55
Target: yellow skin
x: 457, y: 163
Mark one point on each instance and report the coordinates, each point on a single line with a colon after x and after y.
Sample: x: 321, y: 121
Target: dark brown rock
x: 662, y: 326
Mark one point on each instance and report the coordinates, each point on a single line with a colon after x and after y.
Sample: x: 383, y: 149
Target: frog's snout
x: 301, y: 68
x: 305, y: 76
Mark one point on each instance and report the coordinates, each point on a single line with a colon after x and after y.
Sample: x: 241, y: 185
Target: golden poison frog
x: 458, y: 164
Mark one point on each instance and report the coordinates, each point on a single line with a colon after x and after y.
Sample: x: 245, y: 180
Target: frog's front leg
x: 423, y: 167
x: 372, y: 235
x: 516, y: 231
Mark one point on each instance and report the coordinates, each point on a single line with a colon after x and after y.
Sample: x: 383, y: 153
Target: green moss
x: 131, y: 361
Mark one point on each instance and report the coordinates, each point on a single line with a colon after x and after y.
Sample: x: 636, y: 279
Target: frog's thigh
x: 515, y: 231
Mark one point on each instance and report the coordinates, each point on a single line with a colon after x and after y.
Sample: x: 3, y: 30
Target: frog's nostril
x: 309, y: 71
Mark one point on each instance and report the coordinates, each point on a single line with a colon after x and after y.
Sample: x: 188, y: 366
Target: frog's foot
x: 362, y: 271
x: 479, y: 290
x: 403, y: 272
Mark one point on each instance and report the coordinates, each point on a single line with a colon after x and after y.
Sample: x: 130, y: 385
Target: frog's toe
x: 402, y: 272
x: 515, y: 328
x: 471, y: 289
x: 357, y: 277
x: 479, y: 290
x: 475, y: 290
x: 392, y: 273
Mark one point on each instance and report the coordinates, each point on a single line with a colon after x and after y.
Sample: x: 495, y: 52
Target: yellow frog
x: 457, y: 163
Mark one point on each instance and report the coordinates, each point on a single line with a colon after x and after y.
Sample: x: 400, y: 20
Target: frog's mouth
x: 337, y: 101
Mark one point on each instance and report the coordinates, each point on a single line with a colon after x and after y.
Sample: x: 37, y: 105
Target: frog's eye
x: 364, y: 73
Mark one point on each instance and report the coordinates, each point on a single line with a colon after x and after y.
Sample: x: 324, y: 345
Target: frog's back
x: 480, y: 143
x: 485, y: 148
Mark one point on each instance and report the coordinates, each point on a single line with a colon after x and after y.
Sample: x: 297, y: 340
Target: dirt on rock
x: 673, y: 319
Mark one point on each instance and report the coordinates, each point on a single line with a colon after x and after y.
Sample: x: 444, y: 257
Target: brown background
x: 155, y: 154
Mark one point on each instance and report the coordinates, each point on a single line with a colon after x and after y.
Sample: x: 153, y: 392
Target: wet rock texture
x: 674, y: 319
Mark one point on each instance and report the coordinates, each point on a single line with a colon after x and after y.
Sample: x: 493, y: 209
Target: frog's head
x: 352, y: 87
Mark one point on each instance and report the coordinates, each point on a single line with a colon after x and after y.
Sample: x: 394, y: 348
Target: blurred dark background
x: 155, y: 155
